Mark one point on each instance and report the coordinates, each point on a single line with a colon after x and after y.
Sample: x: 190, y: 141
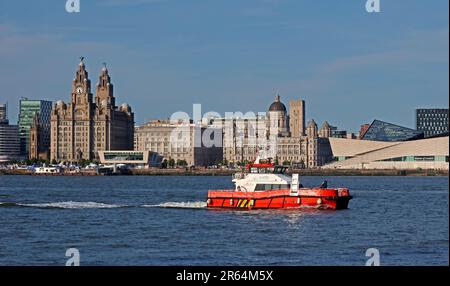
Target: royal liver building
x: 86, y: 125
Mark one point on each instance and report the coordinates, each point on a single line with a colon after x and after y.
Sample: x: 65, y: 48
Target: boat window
x: 256, y: 170
x: 264, y: 187
x: 260, y: 187
x: 280, y: 187
x: 280, y: 170
x: 269, y: 187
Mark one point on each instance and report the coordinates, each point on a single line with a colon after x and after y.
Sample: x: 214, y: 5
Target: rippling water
x: 163, y: 221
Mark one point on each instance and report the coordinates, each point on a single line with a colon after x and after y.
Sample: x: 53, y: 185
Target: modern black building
x: 432, y: 121
x: 384, y: 131
x: 9, y: 138
x: 2, y: 112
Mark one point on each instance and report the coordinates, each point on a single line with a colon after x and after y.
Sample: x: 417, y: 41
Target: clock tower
x: 81, y: 86
x: 82, y: 127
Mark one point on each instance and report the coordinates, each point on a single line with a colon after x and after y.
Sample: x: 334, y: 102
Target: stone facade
x: 242, y: 138
x: 38, y: 147
x: 178, y: 140
x: 319, y: 150
x: 325, y: 131
x: 277, y: 121
x: 84, y: 126
x: 297, y: 118
x: 272, y: 136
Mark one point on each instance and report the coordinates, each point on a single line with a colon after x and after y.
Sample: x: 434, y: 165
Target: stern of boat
x: 343, y: 199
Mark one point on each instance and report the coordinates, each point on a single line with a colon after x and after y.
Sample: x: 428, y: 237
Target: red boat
x: 265, y: 186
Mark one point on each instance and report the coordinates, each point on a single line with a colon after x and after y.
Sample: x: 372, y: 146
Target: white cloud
x: 416, y: 48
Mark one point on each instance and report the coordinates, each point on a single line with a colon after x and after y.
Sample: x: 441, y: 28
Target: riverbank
x: 220, y: 172
x: 301, y: 172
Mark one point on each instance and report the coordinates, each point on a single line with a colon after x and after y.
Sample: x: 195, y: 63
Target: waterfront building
x: 363, y: 130
x: 328, y: 131
x: 337, y: 133
x: 325, y: 130
x: 278, y: 121
x: 30, y: 111
x: 318, y: 148
x: 2, y: 112
x: 384, y: 131
x: 87, y: 125
x: 246, y: 138
x: 239, y: 139
x: 39, y: 142
x: 432, y: 121
x: 180, y: 141
x: 9, y: 138
x: 144, y: 159
x: 351, y: 135
x: 430, y: 153
x: 242, y: 137
x: 297, y: 118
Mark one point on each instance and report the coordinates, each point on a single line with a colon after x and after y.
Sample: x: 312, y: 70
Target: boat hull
x: 333, y: 199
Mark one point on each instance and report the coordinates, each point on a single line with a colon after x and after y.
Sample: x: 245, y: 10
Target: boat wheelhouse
x: 264, y: 185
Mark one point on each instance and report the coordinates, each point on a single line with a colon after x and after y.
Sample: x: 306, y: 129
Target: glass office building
x: 384, y: 131
x: 9, y: 138
x: 28, y: 110
x: 432, y: 121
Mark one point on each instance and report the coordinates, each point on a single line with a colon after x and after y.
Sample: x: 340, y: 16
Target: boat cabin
x: 262, y: 177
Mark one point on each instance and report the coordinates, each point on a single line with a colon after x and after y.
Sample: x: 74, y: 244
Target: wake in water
x: 65, y: 205
x: 94, y: 205
x: 180, y: 205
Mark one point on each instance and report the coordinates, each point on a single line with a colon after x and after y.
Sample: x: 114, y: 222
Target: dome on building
x: 277, y: 105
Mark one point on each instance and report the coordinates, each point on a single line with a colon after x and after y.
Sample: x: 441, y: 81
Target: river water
x: 134, y: 220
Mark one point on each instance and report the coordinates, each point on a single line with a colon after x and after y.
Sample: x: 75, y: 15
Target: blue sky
x: 233, y: 55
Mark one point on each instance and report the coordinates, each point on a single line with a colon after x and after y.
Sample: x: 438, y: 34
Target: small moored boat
x: 265, y: 186
x: 47, y: 170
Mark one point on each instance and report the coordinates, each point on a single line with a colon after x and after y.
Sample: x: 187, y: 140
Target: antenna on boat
x: 257, y: 156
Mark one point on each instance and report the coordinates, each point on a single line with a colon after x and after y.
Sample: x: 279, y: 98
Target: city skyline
x: 232, y: 56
